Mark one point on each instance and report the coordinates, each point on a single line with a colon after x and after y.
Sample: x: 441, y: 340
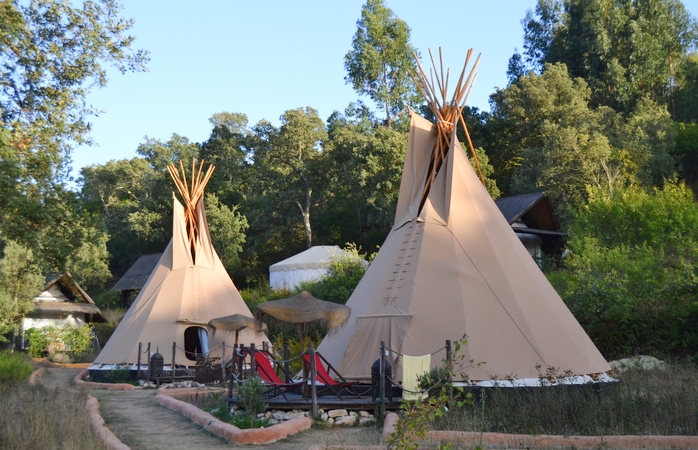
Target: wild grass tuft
x: 40, y: 417
x: 14, y: 367
x: 643, y: 402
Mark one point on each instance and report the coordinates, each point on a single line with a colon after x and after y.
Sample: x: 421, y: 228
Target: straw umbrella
x: 236, y: 323
x: 304, y: 309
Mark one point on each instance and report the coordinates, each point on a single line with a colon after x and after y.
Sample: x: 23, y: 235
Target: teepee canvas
x: 187, y: 289
x: 451, y: 265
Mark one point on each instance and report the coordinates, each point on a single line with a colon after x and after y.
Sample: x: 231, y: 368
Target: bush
x: 76, y: 342
x: 250, y: 396
x: 14, y: 367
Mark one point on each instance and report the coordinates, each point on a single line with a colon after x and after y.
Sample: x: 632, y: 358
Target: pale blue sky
x: 263, y: 58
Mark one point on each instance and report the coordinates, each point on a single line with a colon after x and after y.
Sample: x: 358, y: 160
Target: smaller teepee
x: 187, y: 289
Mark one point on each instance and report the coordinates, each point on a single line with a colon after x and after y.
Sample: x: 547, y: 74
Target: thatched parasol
x: 303, y: 309
x: 236, y: 323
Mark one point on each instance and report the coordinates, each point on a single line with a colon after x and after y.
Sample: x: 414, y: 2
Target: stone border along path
x: 233, y: 434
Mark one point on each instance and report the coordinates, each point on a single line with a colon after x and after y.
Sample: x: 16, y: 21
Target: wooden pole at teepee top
x: 191, y: 194
x: 447, y: 112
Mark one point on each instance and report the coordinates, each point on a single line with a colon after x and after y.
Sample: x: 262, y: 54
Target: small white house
x: 309, y: 265
x: 62, y: 302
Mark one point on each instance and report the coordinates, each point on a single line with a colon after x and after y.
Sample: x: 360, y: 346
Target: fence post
x: 450, y: 372
x: 140, y: 350
x: 287, y: 357
x: 174, y: 349
x: 223, y: 363
x: 313, y: 387
x: 253, y: 362
x: 149, y: 355
x: 382, y: 379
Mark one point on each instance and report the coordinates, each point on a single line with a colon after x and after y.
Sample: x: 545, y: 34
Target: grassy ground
x: 39, y: 417
x: 655, y: 402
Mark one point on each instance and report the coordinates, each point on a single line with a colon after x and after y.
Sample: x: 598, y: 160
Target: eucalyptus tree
x: 380, y: 60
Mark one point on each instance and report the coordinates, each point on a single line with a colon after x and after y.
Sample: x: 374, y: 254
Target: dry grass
x: 37, y: 417
x: 655, y: 402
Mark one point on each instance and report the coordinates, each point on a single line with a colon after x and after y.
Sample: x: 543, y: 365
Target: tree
x: 228, y: 231
x: 291, y: 165
x: 380, y: 58
x: 553, y: 140
x: 625, y: 50
x: 228, y: 148
x: 365, y: 166
x: 51, y: 55
x: 20, y: 282
x: 631, y: 277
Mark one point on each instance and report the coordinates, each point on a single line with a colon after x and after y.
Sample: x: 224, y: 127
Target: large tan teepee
x: 187, y: 289
x: 452, y: 265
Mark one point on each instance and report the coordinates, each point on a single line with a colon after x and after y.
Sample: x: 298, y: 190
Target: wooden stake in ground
x: 191, y: 194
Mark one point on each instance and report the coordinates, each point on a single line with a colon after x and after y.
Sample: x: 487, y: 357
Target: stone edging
x: 227, y: 431
x: 543, y: 440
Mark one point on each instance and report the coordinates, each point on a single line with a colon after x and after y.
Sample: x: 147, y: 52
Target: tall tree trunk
x: 305, y: 212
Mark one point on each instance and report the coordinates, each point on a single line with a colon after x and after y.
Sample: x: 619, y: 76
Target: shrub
x: 38, y: 342
x: 250, y: 396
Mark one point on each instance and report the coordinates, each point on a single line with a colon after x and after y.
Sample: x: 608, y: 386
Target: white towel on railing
x: 412, y: 367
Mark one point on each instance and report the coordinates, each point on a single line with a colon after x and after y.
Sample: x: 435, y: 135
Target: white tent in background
x: 187, y: 289
x: 452, y: 265
x: 309, y: 265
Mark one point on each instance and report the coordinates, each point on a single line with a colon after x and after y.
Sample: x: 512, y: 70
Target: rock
x: 273, y: 422
x: 365, y: 414
x: 267, y: 415
x: 294, y: 415
x: 345, y: 420
x: 641, y: 362
x: 367, y: 421
x: 279, y: 415
x: 324, y: 417
x: 261, y: 416
x: 330, y: 421
x: 337, y: 413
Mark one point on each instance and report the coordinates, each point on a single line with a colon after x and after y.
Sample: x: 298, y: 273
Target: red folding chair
x: 328, y: 383
x: 277, y: 386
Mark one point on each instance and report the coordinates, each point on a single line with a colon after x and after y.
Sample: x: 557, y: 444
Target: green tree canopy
x: 625, y: 50
x: 20, y: 282
x: 631, y: 277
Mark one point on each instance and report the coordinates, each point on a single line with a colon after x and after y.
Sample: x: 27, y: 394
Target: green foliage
x: 631, y: 280
x: 51, y: 340
x: 295, y: 347
x: 20, y: 282
x: 229, y: 226
x: 552, y: 140
x: 37, y: 342
x: 380, y: 58
x: 14, y: 367
x: 624, y: 50
x: 345, y: 272
x: 250, y: 396
x: 120, y: 374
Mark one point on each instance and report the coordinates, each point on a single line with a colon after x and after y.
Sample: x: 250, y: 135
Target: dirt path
x: 142, y: 424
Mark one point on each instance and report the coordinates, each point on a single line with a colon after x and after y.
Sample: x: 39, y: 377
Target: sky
x: 264, y: 58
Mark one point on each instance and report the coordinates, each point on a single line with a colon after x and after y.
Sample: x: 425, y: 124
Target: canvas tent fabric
x: 181, y: 292
x: 308, y: 265
x: 455, y: 267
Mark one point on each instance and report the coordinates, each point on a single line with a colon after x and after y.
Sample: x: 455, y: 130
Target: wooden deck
x: 293, y: 400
